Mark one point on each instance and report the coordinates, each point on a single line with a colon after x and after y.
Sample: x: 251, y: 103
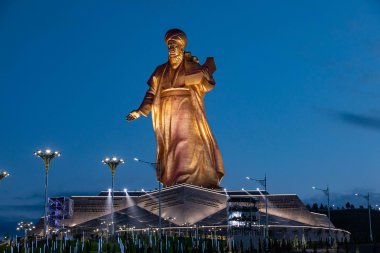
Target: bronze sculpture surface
x: 186, y: 148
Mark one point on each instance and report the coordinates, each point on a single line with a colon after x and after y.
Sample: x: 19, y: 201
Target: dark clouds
x: 360, y: 120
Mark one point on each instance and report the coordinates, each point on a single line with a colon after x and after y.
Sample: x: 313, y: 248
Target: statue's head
x: 176, y: 40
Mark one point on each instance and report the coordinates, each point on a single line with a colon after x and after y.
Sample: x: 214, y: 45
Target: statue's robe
x: 186, y: 148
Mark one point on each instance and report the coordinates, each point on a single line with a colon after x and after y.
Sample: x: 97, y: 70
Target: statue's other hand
x: 206, y: 73
x: 133, y: 115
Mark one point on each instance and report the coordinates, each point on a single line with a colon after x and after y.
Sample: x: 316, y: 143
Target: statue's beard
x: 175, y: 60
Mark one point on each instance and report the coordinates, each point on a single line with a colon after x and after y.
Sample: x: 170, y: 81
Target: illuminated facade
x: 240, y: 214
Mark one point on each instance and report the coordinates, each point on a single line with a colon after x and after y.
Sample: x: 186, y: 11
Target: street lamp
x: 26, y: 226
x: 155, y: 166
x: 263, y: 182
x: 46, y: 155
x: 104, y: 227
x: 170, y: 219
x: 366, y: 197
x: 3, y: 174
x: 112, y: 163
x: 327, y: 193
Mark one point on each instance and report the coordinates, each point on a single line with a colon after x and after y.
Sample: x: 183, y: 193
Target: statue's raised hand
x: 133, y: 115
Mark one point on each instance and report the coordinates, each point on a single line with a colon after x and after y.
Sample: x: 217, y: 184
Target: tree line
x: 315, y: 207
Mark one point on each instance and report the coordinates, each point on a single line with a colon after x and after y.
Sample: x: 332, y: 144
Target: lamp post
x: 104, y: 228
x: 170, y: 219
x: 46, y: 155
x: 263, y: 182
x: 155, y: 166
x: 112, y: 163
x: 25, y: 226
x: 327, y: 193
x: 3, y: 174
x: 366, y: 197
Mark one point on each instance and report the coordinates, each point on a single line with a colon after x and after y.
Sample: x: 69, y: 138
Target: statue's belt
x: 175, y: 92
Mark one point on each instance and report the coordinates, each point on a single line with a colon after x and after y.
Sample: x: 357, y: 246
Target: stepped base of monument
x: 185, y: 207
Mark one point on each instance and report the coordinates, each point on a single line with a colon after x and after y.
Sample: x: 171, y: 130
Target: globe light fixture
x: 25, y: 226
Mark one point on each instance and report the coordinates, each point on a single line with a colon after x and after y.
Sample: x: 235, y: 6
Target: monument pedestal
x: 185, y: 208
x: 188, y: 204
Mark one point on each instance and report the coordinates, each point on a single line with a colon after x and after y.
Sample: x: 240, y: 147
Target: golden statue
x: 186, y: 148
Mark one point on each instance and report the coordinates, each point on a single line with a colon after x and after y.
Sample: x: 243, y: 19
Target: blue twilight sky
x: 297, y: 93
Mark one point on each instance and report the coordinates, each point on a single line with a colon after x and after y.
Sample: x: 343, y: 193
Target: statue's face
x: 175, y: 49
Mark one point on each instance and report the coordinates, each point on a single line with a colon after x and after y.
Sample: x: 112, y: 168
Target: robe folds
x: 186, y: 148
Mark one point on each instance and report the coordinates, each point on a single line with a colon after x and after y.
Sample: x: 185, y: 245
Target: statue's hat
x: 177, y: 35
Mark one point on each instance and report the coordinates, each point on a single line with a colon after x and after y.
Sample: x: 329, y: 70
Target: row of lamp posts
x: 47, y: 156
x: 326, y: 191
x: 366, y: 197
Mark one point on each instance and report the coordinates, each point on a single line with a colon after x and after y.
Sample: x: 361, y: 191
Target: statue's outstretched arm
x: 146, y: 104
x: 133, y: 115
x: 144, y: 108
